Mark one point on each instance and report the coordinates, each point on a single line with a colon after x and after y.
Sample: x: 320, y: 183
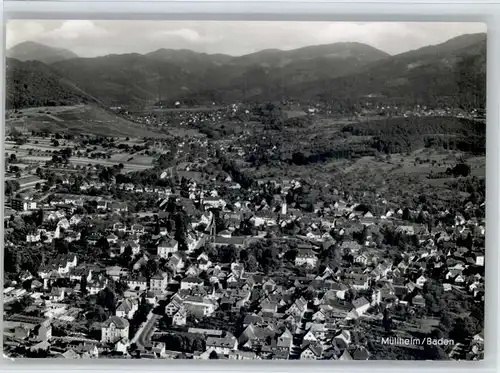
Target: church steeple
x: 283, y: 208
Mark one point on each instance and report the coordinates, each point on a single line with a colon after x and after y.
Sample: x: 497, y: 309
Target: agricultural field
x: 40, y: 150
x: 295, y: 113
x: 127, y: 167
x: 78, y: 119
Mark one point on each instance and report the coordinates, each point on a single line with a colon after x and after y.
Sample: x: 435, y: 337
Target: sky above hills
x: 95, y: 38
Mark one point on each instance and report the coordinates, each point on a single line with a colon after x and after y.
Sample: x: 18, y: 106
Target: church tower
x: 283, y: 208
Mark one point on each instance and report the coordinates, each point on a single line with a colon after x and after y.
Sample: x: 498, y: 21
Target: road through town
x: 143, y: 336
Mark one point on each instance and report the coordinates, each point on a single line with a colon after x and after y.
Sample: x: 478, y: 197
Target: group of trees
x: 299, y: 121
x: 30, y: 84
x: 461, y: 169
x: 302, y: 159
x: 95, y: 312
x: 476, y: 187
x: 107, y: 299
x: 22, y: 257
x: 165, y: 160
x: 470, y: 76
x: 62, y: 156
x: 433, y: 295
x: 146, y: 177
x: 332, y: 256
x: 179, y: 341
x: 181, y: 220
x: 259, y: 256
x: 465, y: 327
x: 234, y: 171
x: 44, y: 134
x: 11, y: 186
x: 140, y: 316
x: 400, y: 135
x: 271, y: 115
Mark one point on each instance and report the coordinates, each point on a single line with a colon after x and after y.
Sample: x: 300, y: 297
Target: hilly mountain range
x: 451, y: 72
x: 31, y: 51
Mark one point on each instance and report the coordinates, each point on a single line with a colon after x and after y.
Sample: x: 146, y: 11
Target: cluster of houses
x: 322, y: 313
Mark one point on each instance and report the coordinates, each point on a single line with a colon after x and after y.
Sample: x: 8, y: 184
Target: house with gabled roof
x: 75, y: 220
x: 116, y: 272
x: 284, y: 340
x: 56, y: 215
x: 447, y: 287
x: 159, y: 282
x: 237, y: 270
x: 252, y: 318
x: 362, y: 259
x: 25, y: 275
x: 44, y: 271
x: 421, y: 281
x: 269, y: 307
x: 418, y: 301
x: 57, y: 294
x: 345, y: 337
x: 307, y: 257
x: 319, y: 316
x: 63, y: 223
x: 134, y: 246
x: 359, y: 281
x: 253, y: 336
x: 309, y: 337
x: 176, y: 262
x: 114, y: 329
x: 237, y: 241
x: 34, y: 237
x: 112, y: 238
x: 191, y: 282
x: 243, y: 355
x: 173, y: 306
x: 203, y: 262
x: 127, y: 308
x: 460, y: 279
x: 103, y: 204
x: 193, y: 271
x: 361, y: 305
x: 222, y: 345
x: 70, y: 354
x: 96, y: 285
x: 360, y: 353
x: 137, y: 282
x: 200, y: 306
x: 269, y: 285
x: 255, y: 280
x: 180, y: 316
x: 118, y: 206
x: 62, y: 264
x: 406, y: 229
x: 264, y: 218
x: 351, y: 246
x: 312, y: 351
x: 137, y: 229
x: 479, y: 337
x: 120, y: 227
x: 452, y: 274
x: 297, y: 308
x: 167, y: 246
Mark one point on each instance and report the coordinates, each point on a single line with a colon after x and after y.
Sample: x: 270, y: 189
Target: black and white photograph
x: 244, y: 190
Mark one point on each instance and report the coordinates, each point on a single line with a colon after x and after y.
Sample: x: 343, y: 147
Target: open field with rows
x: 78, y: 119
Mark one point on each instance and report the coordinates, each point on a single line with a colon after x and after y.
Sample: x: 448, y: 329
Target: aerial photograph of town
x: 244, y: 190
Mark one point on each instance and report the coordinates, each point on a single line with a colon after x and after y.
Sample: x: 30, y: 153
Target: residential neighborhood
x: 118, y: 268
x: 149, y: 215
